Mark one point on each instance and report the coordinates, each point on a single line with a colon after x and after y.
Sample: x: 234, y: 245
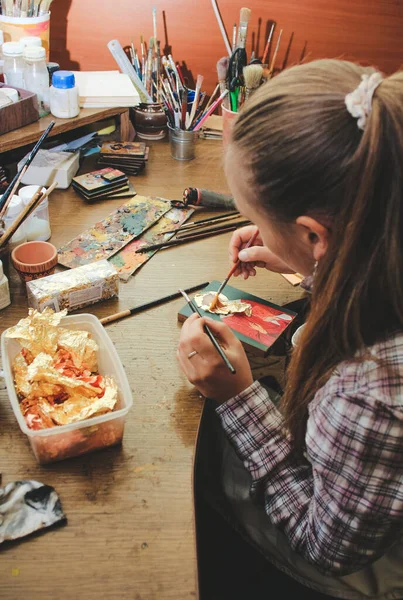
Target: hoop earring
x: 315, y: 268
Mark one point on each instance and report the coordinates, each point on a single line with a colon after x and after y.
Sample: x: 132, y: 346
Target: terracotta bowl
x: 33, y: 260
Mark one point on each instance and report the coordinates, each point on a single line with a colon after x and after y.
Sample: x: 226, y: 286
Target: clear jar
x: 13, y: 64
x: 14, y: 208
x: 36, y: 76
x: 64, y: 95
x: 37, y: 225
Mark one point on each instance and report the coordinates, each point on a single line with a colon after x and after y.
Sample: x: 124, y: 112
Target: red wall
x: 367, y: 30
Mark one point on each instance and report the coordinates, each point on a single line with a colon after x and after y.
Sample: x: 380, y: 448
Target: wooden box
x: 21, y: 113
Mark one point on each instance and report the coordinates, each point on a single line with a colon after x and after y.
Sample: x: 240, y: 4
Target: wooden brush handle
x: 115, y: 317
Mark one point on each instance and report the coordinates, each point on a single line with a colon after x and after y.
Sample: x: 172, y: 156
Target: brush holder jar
x: 149, y: 121
x: 182, y: 143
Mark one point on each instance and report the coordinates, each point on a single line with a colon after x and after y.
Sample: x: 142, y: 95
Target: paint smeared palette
x: 126, y: 261
x: 107, y: 237
x: 257, y: 327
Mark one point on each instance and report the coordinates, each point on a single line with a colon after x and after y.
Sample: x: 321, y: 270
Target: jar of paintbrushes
x: 25, y: 18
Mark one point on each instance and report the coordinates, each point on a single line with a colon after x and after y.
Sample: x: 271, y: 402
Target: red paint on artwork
x: 264, y: 325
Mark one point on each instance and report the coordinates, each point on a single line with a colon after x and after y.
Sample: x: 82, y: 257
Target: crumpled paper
x: 25, y: 507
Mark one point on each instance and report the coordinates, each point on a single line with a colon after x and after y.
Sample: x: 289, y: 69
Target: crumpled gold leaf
x: 56, y: 373
x: 78, y: 408
x: 83, y: 348
x: 42, y: 369
x: 38, y: 332
x: 225, y: 307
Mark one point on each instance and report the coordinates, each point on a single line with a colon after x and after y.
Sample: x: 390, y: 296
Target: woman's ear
x: 315, y: 236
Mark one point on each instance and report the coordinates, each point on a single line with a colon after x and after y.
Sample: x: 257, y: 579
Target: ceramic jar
x: 149, y: 121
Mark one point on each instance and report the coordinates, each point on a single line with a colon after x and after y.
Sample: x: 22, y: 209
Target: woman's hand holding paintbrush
x: 216, y: 301
x: 203, y: 365
x: 246, y: 258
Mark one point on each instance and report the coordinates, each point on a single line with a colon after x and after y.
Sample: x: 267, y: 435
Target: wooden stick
x: 194, y: 238
x: 142, y: 307
x: 34, y: 202
x: 194, y: 308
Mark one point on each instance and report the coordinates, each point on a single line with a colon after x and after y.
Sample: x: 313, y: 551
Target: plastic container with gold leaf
x: 66, y: 441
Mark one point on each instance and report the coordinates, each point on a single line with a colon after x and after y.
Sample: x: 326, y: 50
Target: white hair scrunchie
x: 359, y: 102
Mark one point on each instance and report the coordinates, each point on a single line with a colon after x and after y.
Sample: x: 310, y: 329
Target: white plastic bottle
x: 13, y: 64
x: 30, y: 40
x: 64, y: 95
x: 36, y: 76
x: 5, y: 299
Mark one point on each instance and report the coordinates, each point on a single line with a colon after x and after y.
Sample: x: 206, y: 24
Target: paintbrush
x: 194, y: 308
x: 275, y: 53
x: 155, y: 26
x: 208, y: 112
x: 199, y: 83
x: 213, y: 95
x: 266, y: 50
x: 216, y: 299
x: 24, y: 9
x: 17, y: 178
x: 202, y: 229
x: 243, y: 27
x: 193, y: 238
x: 252, y: 75
x: 192, y: 224
x: 221, y: 26
x: 148, y: 305
x: 24, y: 214
x: 234, y: 37
x: 184, y: 109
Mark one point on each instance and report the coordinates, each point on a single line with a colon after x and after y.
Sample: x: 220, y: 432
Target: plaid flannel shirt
x: 340, y: 505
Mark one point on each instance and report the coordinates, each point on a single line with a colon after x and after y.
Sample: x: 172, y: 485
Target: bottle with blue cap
x: 64, y: 95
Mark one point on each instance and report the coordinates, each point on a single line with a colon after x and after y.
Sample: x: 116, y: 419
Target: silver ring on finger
x: 193, y: 353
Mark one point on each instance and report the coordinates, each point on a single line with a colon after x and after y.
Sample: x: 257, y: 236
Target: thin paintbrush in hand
x: 194, y: 308
x: 216, y: 298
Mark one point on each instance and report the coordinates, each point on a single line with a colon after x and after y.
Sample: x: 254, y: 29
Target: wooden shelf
x: 31, y: 133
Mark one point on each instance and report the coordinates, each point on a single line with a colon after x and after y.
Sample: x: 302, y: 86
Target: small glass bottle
x: 64, y: 95
x: 5, y: 299
x: 36, y: 76
x: 13, y: 64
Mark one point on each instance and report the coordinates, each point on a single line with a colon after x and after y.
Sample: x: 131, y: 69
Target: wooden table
x: 130, y: 532
x: 31, y: 133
